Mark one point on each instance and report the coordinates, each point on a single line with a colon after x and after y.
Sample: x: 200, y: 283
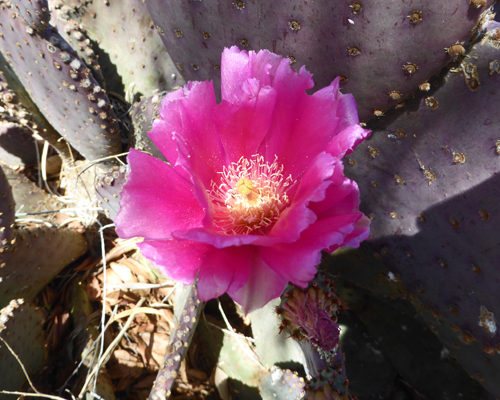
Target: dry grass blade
x: 103, y: 359
x: 20, y: 363
x: 136, y: 310
x: 25, y: 394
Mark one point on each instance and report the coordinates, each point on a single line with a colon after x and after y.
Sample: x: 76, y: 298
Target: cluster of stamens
x: 250, y: 196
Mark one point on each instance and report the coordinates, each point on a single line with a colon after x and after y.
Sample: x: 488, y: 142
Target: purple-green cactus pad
x: 429, y: 181
x: 123, y: 29
x: 332, y: 378
x: 29, y: 198
x: 76, y: 36
x: 415, y: 352
x: 281, y: 384
x: 17, y: 145
x: 108, y: 188
x: 61, y: 85
x: 369, y: 371
x: 376, y: 296
x: 19, y: 107
x: 188, y: 309
x: 271, y: 346
x: 482, y: 363
x: 34, y: 257
x: 21, y: 326
x: 7, y: 210
x: 143, y: 114
x: 383, y: 50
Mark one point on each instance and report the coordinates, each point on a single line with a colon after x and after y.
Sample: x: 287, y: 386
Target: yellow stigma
x: 244, y: 186
x: 250, y: 196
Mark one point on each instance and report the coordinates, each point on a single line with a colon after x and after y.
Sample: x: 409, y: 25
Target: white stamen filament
x: 250, y: 196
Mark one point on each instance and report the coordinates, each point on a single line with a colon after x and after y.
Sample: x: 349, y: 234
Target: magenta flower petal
x: 311, y: 188
x: 347, y: 110
x: 263, y: 284
x: 297, y: 261
x: 189, y: 114
x: 223, y: 270
x: 177, y: 259
x: 239, y: 66
x: 244, y: 123
x: 341, y: 196
x: 347, y: 140
x: 156, y: 200
x: 318, y: 115
x: 163, y: 129
x: 360, y: 232
x: 215, y: 238
x: 255, y: 190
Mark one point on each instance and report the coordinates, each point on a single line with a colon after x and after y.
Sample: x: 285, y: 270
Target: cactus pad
x: 19, y: 107
x: 187, y: 313
x: 21, y: 327
x: 281, y: 384
x: 17, y: 146
x: 61, y: 85
x: 7, y: 210
x: 29, y: 198
x: 143, y: 114
x: 124, y: 30
x: 34, y: 257
x: 383, y: 50
x: 431, y: 189
x: 108, y: 188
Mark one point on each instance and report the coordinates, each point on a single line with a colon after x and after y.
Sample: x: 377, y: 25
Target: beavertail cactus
x: 21, y: 326
x: 108, y: 188
x: 34, y: 257
x: 431, y: 187
x: 31, y: 257
x: 239, y: 185
x: 29, y: 198
x: 281, y: 384
x: 17, y: 106
x: 124, y: 30
x: 143, y: 115
x: 17, y: 145
x: 382, y: 50
x: 7, y: 210
x: 188, y: 309
x: 61, y: 85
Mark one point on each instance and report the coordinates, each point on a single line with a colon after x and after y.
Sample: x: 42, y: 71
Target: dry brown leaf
x: 86, y: 264
x: 123, y: 363
x: 112, y: 278
x: 112, y: 299
x: 196, y: 374
x: 146, y: 382
x: 123, y: 272
x: 158, y: 342
x: 182, y: 371
x: 141, y: 316
x: 139, y: 269
x: 149, y: 327
x: 93, y: 288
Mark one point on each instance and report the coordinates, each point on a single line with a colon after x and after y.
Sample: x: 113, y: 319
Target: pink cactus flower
x: 254, y: 188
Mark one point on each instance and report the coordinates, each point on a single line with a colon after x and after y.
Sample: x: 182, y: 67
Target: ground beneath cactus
x: 137, y: 302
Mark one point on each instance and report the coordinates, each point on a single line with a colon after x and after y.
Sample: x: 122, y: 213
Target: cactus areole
x: 254, y: 189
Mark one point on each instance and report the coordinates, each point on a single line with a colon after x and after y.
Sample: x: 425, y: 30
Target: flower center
x: 250, y: 196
